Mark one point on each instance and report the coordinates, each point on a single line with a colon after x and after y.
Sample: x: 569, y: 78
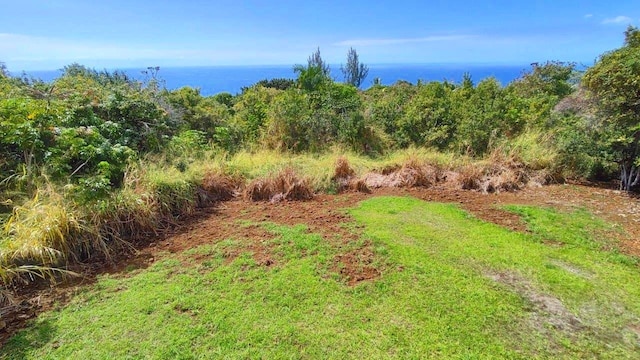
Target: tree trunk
x: 629, y: 176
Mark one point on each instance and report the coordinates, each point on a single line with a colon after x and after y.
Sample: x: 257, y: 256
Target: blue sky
x: 41, y: 35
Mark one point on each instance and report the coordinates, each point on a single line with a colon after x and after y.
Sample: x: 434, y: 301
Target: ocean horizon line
x: 211, y: 80
x: 282, y: 66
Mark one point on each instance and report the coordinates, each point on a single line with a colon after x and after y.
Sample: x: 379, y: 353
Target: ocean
x: 215, y: 79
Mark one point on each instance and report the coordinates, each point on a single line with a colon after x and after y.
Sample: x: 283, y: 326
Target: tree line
x: 87, y: 125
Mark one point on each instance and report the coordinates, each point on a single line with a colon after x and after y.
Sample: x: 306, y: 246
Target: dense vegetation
x: 88, y: 159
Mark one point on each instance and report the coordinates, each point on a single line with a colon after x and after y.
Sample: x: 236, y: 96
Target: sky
x: 47, y: 35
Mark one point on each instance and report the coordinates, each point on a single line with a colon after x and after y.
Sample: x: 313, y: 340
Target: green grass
x: 435, y: 299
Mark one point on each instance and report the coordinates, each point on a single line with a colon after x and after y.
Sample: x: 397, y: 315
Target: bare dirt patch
x: 357, y: 265
x: 572, y: 269
x: 546, y: 309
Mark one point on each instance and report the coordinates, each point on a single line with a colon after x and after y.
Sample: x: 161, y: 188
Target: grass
x: 437, y: 298
x: 319, y: 168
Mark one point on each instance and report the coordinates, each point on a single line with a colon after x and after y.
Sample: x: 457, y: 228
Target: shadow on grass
x: 39, y: 334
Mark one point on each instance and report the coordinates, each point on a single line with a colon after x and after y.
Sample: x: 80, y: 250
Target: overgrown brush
x: 126, y: 214
x: 41, y: 236
x: 175, y: 197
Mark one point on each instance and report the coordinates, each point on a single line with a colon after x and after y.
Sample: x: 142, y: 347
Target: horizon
x: 232, y: 79
x: 38, y: 35
x: 333, y: 66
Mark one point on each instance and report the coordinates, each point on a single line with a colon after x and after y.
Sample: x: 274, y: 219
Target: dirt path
x: 324, y: 215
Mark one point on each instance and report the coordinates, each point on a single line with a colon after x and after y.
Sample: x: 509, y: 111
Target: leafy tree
x: 250, y: 111
x: 533, y: 96
x: 199, y: 113
x: 310, y: 78
x: 225, y: 99
x: 550, y: 78
x: 427, y: 120
x: 354, y: 72
x: 384, y: 106
x: 615, y: 82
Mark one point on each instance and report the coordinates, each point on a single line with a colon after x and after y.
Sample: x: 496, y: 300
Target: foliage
x: 354, y: 72
x: 315, y: 61
x: 428, y: 119
x: 200, y: 113
x: 276, y: 83
x: 250, y: 111
x: 614, y: 82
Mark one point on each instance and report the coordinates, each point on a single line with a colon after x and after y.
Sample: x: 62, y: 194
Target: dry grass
x: 43, y: 230
x: 412, y: 173
x: 498, y: 173
x: 217, y: 186
x: 343, y: 169
x: 343, y: 174
x: 127, y: 215
x: 283, y: 185
x: 42, y: 235
x: 360, y: 186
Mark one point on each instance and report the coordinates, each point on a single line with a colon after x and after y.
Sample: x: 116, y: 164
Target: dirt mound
x: 361, y: 186
x: 500, y: 174
x: 285, y: 185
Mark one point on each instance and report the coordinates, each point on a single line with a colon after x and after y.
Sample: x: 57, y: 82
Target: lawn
x: 451, y: 286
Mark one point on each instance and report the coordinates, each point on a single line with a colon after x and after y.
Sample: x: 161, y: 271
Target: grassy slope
x: 435, y: 299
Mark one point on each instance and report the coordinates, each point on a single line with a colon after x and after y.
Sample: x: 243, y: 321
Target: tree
x: 3, y: 70
x: 275, y: 83
x: 614, y: 83
x: 315, y: 60
x: 354, y: 72
x: 551, y: 78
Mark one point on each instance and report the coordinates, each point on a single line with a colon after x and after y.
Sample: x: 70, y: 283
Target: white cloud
x: 624, y: 20
x: 380, y: 42
x: 588, y: 16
